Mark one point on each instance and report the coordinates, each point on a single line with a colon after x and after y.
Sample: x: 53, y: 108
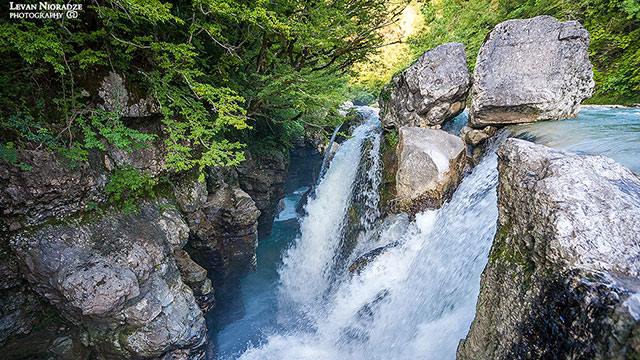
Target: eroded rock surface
x: 263, y: 177
x: 430, y: 166
x: 529, y: 70
x: 115, y: 276
x: 223, y: 220
x: 475, y: 137
x: 117, y: 96
x: 50, y: 188
x: 430, y: 91
x: 563, y: 274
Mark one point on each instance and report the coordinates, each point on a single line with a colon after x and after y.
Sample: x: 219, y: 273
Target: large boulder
x: 430, y: 165
x: 563, y: 275
x: 432, y: 90
x: 529, y: 70
x: 115, y: 275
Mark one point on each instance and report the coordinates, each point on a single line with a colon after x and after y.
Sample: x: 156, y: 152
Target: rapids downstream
x: 413, y: 295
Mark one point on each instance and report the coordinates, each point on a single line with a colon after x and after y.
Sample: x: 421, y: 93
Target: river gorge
x: 464, y: 214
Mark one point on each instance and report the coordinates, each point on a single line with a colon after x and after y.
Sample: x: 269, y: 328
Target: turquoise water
x: 246, y: 308
x: 597, y: 130
x: 612, y: 132
x: 253, y: 310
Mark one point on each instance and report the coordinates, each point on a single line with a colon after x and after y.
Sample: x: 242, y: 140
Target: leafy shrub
x: 127, y: 185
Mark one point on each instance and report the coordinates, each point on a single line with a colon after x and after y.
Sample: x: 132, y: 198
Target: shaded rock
x: 116, y: 276
x: 191, y: 194
x: 224, y: 229
x: 563, y: 274
x: 20, y: 308
x: 430, y: 165
x: 431, y: 91
x: 361, y: 262
x: 195, y: 276
x: 118, y: 96
x: 475, y: 137
x: 263, y: 177
x: 529, y: 70
x: 49, y: 340
x: 149, y: 159
x: 53, y: 188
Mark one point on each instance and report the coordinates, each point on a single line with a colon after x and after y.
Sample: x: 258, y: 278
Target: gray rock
x: 149, y: 159
x: 432, y: 90
x: 225, y: 231
x: 263, y: 177
x: 563, y: 274
x: 191, y: 194
x: 20, y: 308
x: 475, y: 137
x: 115, y: 275
x: 117, y: 97
x: 430, y: 165
x: 529, y: 70
x: 51, y: 189
x: 195, y: 276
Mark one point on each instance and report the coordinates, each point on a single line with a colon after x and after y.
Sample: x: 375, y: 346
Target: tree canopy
x: 225, y: 73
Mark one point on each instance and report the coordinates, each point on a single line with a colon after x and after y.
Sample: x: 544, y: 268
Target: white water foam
x: 304, y: 273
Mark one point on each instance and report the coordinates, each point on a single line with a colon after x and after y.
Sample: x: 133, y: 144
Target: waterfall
x: 415, y: 296
x: 306, y: 273
x: 327, y: 151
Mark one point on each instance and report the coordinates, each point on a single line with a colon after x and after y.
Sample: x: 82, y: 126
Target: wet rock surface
x: 529, y: 70
x: 432, y: 90
x: 475, y: 137
x: 430, y: 166
x: 562, y: 278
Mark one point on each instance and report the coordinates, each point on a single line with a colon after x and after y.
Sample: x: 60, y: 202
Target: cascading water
x: 305, y: 279
x: 354, y: 286
x: 415, y: 297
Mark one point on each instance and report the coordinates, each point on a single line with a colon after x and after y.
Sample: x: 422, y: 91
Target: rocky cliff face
x: 562, y: 277
x: 262, y: 176
x: 81, y: 278
x: 431, y: 91
x: 115, y: 276
x: 110, y: 278
x: 224, y: 222
x: 529, y: 70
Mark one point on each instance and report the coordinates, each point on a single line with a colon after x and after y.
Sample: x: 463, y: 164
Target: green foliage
x: 105, y: 127
x: 225, y: 73
x: 127, y: 185
x: 614, y: 27
x: 391, y: 138
x: 9, y: 154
